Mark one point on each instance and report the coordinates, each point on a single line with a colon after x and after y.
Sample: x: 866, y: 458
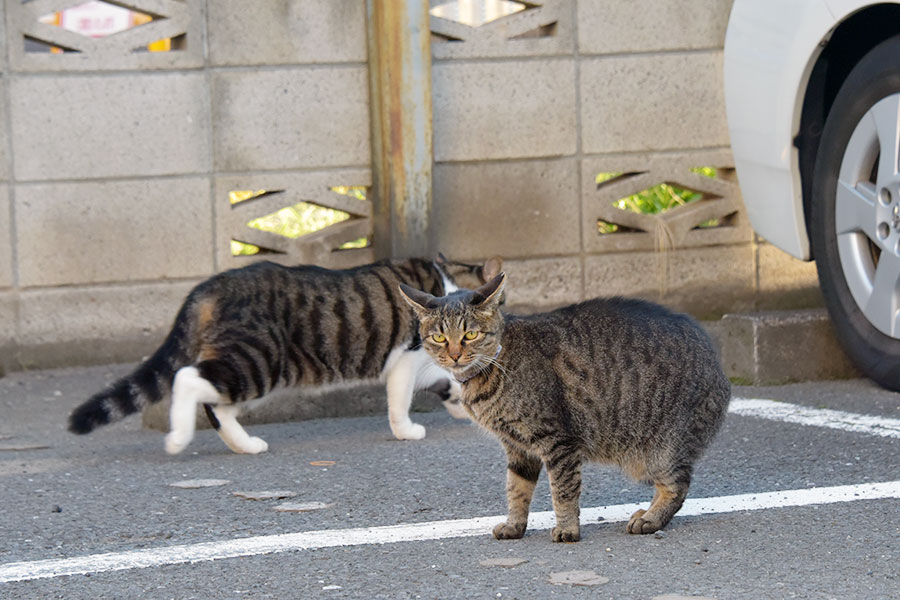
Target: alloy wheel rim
x: 867, y: 215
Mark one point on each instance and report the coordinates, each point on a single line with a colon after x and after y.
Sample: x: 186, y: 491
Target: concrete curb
x: 776, y: 347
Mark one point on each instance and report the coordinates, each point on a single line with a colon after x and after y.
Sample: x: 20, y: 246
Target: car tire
x: 855, y: 214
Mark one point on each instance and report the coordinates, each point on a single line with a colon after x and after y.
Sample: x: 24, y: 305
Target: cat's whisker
x: 487, y: 361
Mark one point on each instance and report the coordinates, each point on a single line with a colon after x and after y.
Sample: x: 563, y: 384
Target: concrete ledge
x: 297, y: 405
x: 778, y: 347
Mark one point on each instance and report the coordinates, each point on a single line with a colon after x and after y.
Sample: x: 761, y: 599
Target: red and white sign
x: 96, y: 19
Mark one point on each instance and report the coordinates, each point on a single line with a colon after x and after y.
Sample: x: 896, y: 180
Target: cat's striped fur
x: 245, y: 332
x: 611, y: 380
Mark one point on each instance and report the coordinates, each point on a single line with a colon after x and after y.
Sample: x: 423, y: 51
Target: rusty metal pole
x: 402, y: 148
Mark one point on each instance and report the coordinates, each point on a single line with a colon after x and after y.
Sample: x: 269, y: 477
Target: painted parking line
x: 434, y: 530
x: 816, y: 417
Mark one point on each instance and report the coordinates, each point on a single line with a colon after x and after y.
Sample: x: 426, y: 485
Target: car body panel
x: 770, y: 49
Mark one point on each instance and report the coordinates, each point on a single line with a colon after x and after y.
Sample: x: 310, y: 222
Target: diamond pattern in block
x: 648, y: 203
x: 98, y: 35
x: 96, y: 19
x: 493, y: 28
x: 476, y: 13
x: 315, y: 222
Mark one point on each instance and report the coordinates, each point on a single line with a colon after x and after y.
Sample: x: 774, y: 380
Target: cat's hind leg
x: 231, y: 432
x: 232, y: 384
x: 188, y: 390
x: 671, y: 490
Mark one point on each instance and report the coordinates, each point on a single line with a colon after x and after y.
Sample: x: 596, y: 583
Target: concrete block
x: 540, y: 284
x: 778, y: 347
x: 653, y: 102
x: 126, y: 50
x: 705, y: 282
x: 4, y: 132
x: 514, y: 209
x: 96, y: 325
x: 6, y: 243
x: 285, y: 119
x: 786, y: 282
x: 504, y: 109
x: 109, y: 126
x: 286, y: 32
x: 542, y: 30
x: 620, y: 27
x: 113, y: 231
x: 8, y: 323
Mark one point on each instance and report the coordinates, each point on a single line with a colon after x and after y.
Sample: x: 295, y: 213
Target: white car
x: 812, y: 93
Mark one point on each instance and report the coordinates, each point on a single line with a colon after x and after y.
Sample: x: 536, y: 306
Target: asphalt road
x: 110, y: 492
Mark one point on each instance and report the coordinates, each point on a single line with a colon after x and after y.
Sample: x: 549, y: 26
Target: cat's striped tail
x: 149, y: 383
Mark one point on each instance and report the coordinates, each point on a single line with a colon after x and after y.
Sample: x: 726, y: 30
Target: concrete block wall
x: 530, y: 108
x: 115, y: 165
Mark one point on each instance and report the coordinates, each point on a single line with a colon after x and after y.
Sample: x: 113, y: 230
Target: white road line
x: 818, y: 417
x: 435, y: 530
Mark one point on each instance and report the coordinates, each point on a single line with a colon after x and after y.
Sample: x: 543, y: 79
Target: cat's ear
x: 492, y: 267
x: 488, y: 295
x: 418, y: 300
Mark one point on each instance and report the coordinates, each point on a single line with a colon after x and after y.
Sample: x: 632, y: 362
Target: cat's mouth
x: 460, y: 369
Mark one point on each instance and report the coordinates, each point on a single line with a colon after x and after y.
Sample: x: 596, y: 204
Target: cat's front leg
x: 564, y: 471
x: 401, y: 383
x: 522, y: 471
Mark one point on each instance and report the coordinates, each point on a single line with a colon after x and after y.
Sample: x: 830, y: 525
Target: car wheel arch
x: 847, y: 43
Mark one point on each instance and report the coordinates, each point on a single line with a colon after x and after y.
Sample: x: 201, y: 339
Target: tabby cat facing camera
x: 243, y: 333
x: 610, y: 380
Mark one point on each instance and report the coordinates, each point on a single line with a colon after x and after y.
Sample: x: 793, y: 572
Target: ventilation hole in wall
x: 98, y: 19
x: 726, y: 221
x: 354, y: 191
x: 34, y: 45
x: 163, y: 45
x: 239, y: 248
x: 238, y: 196
x: 658, y: 199
x: 604, y: 179
x: 173, y: 44
x: 710, y: 172
x: 543, y: 31
x: 298, y: 220
x: 476, y: 13
x: 438, y: 37
x: 729, y: 220
x: 178, y: 42
x: 605, y: 227
x: 363, y: 242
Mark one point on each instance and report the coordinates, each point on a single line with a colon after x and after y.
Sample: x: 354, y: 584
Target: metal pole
x: 402, y: 147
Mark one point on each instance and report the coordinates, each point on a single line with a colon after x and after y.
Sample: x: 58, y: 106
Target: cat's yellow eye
x: 440, y: 339
x: 471, y: 335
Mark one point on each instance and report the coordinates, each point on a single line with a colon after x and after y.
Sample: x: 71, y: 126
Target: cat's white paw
x: 410, y: 431
x: 176, y: 442
x: 255, y: 445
